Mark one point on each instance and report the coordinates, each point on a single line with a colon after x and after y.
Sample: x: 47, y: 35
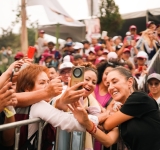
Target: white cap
x: 67, y: 58
x: 65, y: 65
x: 112, y: 55
x: 78, y: 45
x: 101, y: 58
x: 92, y: 50
x: 115, y: 37
x: 105, y: 51
x: 142, y: 54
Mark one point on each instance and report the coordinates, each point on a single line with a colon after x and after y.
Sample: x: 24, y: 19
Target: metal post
x: 17, y: 135
x: 71, y: 141
x: 147, y: 19
x: 57, y: 35
x: 40, y: 125
x: 57, y: 138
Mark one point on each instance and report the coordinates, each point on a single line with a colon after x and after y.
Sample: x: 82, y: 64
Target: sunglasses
x: 154, y: 83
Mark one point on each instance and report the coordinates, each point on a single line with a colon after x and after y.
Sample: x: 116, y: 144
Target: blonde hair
x: 147, y: 39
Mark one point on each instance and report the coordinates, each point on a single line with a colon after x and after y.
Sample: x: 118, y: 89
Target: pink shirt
x: 101, y: 99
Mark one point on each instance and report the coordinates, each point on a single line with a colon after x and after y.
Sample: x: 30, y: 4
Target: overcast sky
x: 125, y: 6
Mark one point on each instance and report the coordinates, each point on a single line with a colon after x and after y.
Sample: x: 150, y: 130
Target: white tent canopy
x: 75, y: 9
x: 137, y: 8
x: 155, y: 11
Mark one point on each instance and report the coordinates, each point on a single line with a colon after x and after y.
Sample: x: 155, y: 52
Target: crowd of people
x: 110, y: 108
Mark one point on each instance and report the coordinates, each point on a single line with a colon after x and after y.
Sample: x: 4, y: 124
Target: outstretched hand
x: 7, y: 97
x: 72, y: 95
x: 79, y: 113
x: 55, y: 87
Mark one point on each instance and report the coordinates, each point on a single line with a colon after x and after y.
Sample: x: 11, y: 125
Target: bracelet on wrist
x: 93, y: 130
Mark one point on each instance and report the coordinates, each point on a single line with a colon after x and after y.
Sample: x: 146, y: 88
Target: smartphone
x: 140, y: 69
x: 77, y: 75
x: 31, y: 51
x: 104, y: 33
x: 129, y: 38
x: 12, y: 74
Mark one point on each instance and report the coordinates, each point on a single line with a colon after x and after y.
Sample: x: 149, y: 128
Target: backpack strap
x: 28, y: 144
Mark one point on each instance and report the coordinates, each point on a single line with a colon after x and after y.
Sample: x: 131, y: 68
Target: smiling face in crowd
x: 90, y: 80
x: 154, y: 86
x: 118, y: 86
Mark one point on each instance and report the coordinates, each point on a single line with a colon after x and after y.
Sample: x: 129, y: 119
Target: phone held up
x: 104, y: 33
x: 31, y: 51
x: 77, y: 75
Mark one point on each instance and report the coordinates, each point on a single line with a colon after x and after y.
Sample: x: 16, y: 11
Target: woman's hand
x: 54, y: 87
x: 72, y: 95
x: 7, y: 97
x: 79, y: 113
x: 116, y: 106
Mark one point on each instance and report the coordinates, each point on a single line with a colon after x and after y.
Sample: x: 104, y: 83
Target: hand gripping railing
x: 18, y: 125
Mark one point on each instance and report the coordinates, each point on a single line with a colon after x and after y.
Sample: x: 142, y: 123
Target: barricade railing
x: 17, y: 125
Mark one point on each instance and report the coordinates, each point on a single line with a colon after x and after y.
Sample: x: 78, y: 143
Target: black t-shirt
x: 143, y: 131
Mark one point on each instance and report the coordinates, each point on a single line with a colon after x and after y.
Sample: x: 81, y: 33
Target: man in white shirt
x: 41, y: 46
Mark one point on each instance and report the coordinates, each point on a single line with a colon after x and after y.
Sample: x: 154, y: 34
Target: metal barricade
x: 17, y: 125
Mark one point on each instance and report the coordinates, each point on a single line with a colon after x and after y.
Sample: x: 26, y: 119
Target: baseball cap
x: 41, y: 31
x: 142, y: 54
x: 97, y: 48
x: 100, y: 59
x: 115, y: 37
x: 92, y: 50
x: 65, y: 65
x: 112, y: 55
x: 68, y: 44
x: 149, y: 23
x: 132, y: 27
x: 78, y: 45
x: 68, y: 58
x: 105, y: 51
x: 126, y: 50
x: 46, y: 55
x: 153, y: 76
x: 19, y: 56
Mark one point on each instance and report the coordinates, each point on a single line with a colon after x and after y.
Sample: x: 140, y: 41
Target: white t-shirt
x: 41, y: 47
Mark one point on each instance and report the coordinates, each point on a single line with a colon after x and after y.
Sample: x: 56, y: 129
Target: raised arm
x: 28, y: 98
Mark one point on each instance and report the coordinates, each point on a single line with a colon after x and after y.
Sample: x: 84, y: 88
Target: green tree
x: 110, y: 18
x: 10, y: 39
x: 31, y: 36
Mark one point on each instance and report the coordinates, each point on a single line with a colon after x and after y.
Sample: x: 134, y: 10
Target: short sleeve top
x: 143, y: 131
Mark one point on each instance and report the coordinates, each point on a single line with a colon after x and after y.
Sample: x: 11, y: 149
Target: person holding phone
x: 88, y: 101
x: 141, y: 66
x: 34, y: 78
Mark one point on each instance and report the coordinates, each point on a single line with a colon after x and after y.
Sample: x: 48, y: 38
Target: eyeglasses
x: 65, y: 73
x: 154, y: 83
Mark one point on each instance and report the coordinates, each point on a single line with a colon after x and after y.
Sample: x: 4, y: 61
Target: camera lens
x: 77, y: 72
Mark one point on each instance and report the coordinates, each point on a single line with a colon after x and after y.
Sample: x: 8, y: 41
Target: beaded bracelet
x: 94, y: 129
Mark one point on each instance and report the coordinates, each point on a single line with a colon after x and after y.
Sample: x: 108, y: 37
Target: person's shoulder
x: 139, y: 96
x: 139, y: 93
